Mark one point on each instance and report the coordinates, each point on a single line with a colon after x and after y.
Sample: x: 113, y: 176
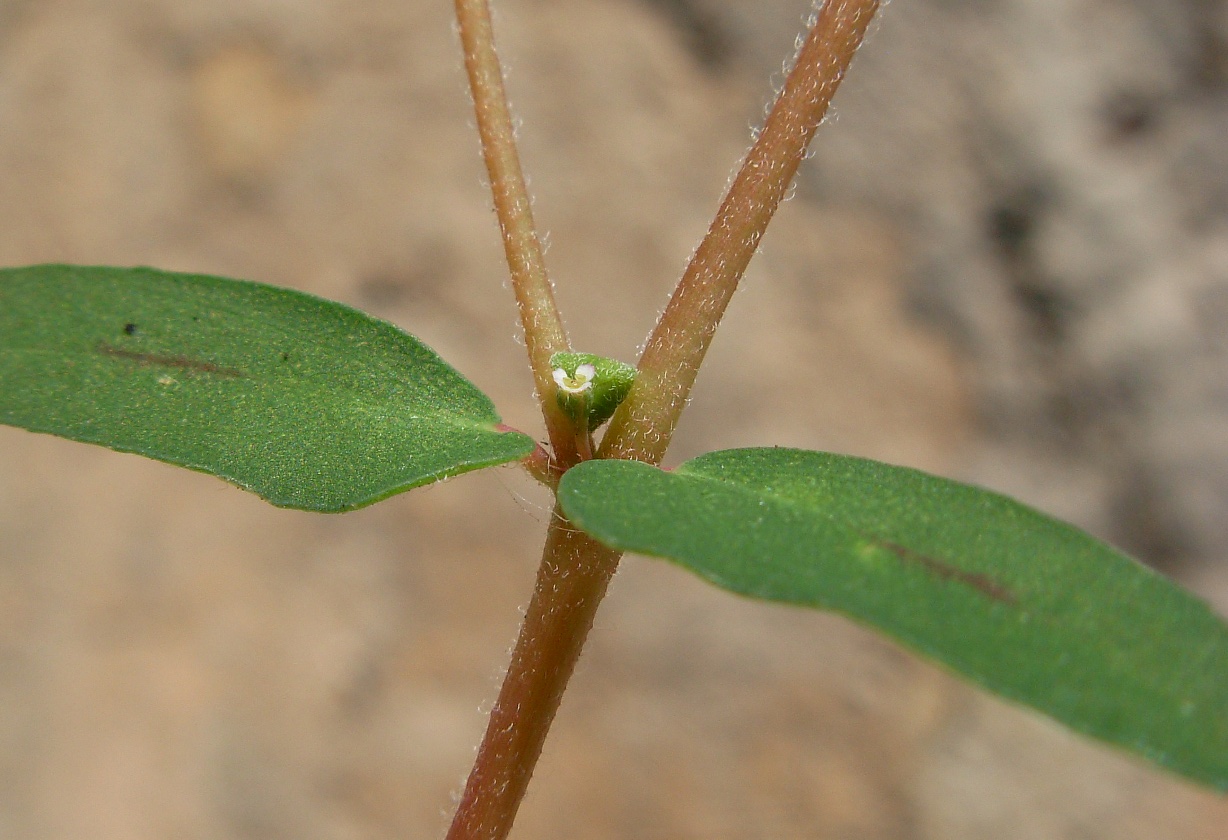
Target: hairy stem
x: 544, y: 333
x: 643, y: 425
x: 575, y: 569
x: 542, y: 467
x: 571, y: 582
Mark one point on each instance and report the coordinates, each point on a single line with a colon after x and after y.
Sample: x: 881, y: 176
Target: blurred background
x: 1006, y: 262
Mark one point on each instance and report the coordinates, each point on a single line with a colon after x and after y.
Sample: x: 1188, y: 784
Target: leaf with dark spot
x: 983, y: 583
x: 163, y: 360
x: 1027, y: 606
x: 365, y: 410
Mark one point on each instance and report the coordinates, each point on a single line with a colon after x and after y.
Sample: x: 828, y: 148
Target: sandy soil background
x: 1007, y: 262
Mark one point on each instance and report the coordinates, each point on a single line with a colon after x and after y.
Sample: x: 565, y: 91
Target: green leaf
x: 306, y: 402
x: 1027, y: 606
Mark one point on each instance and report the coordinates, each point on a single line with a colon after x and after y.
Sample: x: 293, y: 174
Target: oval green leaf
x: 306, y: 402
x: 1026, y: 606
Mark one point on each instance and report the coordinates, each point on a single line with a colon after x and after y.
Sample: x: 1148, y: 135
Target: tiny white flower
x: 581, y: 383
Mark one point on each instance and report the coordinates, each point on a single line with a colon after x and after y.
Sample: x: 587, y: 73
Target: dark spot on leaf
x: 129, y: 329
x: 180, y: 362
x: 984, y: 584
x: 285, y: 357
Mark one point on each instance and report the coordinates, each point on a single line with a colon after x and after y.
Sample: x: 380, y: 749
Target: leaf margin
x: 581, y: 482
x: 483, y: 418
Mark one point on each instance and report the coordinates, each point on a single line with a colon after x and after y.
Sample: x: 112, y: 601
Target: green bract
x: 309, y: 403
x: 1027, y: 606
x: 591, y: 384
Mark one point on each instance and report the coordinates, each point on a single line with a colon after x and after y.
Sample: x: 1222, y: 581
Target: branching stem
x: 544, y: 333
x: 576, y: 570
x: 643, y: 425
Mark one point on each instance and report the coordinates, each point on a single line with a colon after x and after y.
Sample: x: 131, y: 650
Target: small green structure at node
x: 592, y: 385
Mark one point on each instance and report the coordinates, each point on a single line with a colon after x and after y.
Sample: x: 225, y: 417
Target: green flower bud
x: 590, y: 384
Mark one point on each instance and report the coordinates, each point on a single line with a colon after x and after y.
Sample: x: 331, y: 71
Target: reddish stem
x: 571, y: 582
x: 643, y: 425
x: 541, y: 466
x: 544, y: 334
x: 575, y: 569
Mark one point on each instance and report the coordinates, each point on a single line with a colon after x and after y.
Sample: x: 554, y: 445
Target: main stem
x: 575, y: 570
x: 571, y: 582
